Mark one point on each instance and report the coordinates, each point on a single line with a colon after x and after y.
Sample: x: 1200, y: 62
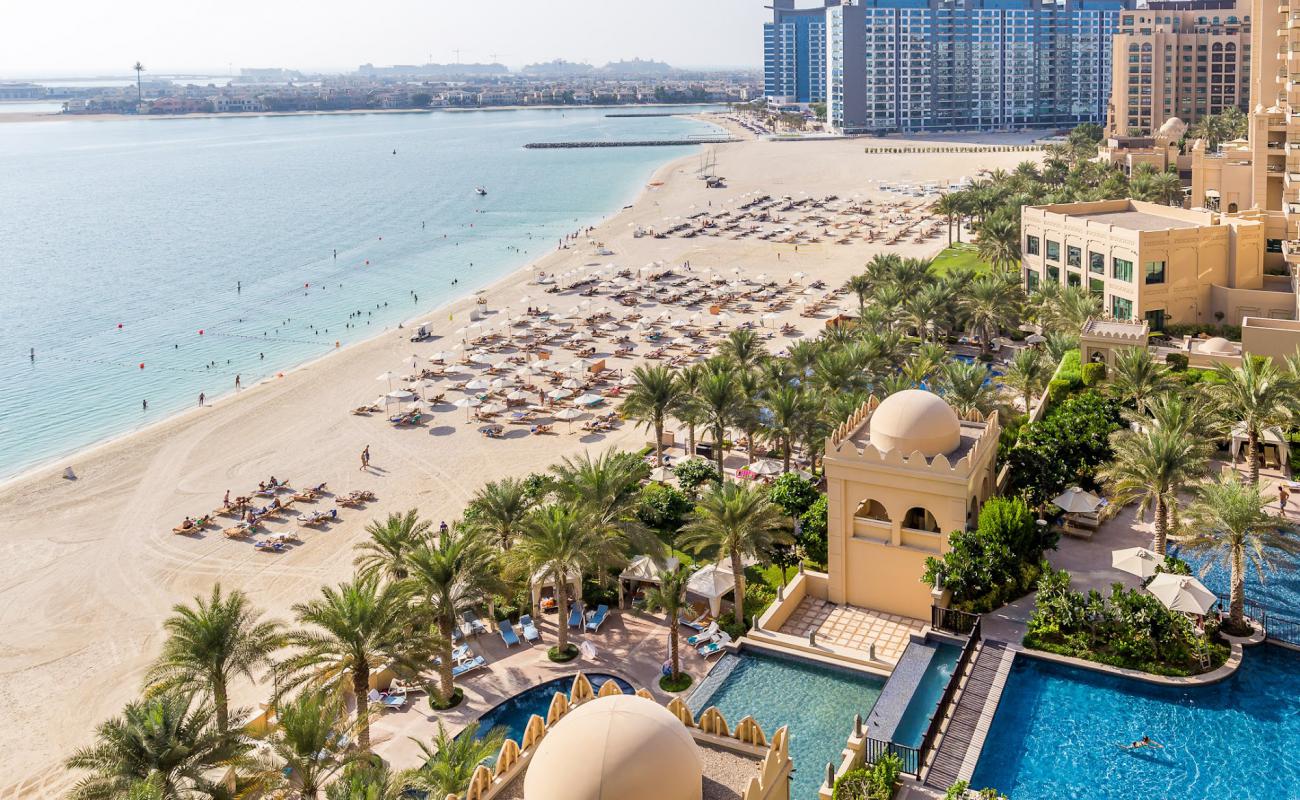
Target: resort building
x: 1184, y: 59
x: 1155, y: 263
x: 1161, y: 151
x: 934, y: 65
x: 794, y: 53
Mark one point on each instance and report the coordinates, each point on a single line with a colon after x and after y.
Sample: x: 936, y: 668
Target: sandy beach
x: 91, y: 567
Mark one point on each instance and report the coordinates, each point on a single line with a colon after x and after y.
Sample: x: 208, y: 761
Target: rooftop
x: 1116, y: 328
x: 1136, y: 220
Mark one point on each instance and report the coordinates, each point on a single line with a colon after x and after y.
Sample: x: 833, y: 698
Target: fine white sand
x: 90, y: 567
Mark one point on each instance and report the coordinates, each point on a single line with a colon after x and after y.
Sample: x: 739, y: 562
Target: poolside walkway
x: 630, y: 645
x: 852, y: 627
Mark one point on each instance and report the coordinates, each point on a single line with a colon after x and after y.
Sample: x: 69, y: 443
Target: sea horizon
x: 207, y: 248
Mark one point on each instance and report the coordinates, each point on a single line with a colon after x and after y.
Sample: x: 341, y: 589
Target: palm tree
x: 687, y: 412
x: 366, y: 778
x: 1169, y: 187
x: 670, y: 597
x: 1150, y: 468
x: 390, y: 544
x: 1228, y: 523
x: 947, y: 205
x: 719, y: 400
x: 786, y: 408
x: 353, y: 628
x: 210, y: 643
x: 500, y: 508
x: 860, y: 285
x: 1137, y: 376
x: 1255, y: 395
x: 653, y: 397
x: 450, y: 763
x: 558, y: 542
x: 1028, y: 374
x: 966, y: 387
x: 743, y: 348
x: 166, y: 741
x: 999, y: 242
x: 990, y: 301
x: 306, y: 744
x: 453, y: 575
x: 737, y: 520
x: 139, y: 87
x: 607, y: 492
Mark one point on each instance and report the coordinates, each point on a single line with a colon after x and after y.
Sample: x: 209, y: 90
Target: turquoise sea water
x: 152, y: 224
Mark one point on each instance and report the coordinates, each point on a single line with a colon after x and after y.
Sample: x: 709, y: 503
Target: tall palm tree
x: 719, y: 400
x: 999, y: 242
x: 139, y: 87
x: 1028, y: 373
x: 670, y: 597
x: 1168, y: 187
x: 1228, y: 522
x: 786, y: 408
x: 653, y: 397
x: 306, y: 744
x: 500, y: 508
x: 366, y: 778
x: 449, y: 764
x: 967, y: 387
x: 210, y: 643
x: 1150, y: 468
x: 557, y: 542
x: 453, y: 575
x: 166, y: 740
x: 688, y: 412
x: 1137, y: 376
x: 390, y: 544
x: 743, y: 348
x: 1256, y: 395
x: 748, y: 417
x: 860, y: 284
x: 947, y: 205
x: 737, y: 520
x: 607, y: 491
x: 351, y: 629
x: 989, y: 303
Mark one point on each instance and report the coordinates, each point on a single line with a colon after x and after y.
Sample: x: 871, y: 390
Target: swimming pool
x: 925, y: 699
x: 817, y: 702
x: 1059, y: 732
x: 1279, y: 591
x: 513, y: 714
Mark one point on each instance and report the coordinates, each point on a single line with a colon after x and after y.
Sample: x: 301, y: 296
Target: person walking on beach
x: 144, y: 405
x: 236, y: 383
x: 201, y: 398
x: 365, y: 458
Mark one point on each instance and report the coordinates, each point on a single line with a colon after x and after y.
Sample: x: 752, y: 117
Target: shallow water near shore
x: 120, y: 241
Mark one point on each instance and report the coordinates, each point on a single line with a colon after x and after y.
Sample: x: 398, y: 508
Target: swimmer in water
x: 1145, y: 741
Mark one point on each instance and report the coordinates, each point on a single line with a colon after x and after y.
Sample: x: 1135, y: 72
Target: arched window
x: 1146, y: 47
x: 1133, y: 48
x: 919, y: 519
x: 1231, y: 47
x: 1217, y: 48
x: 1232, y: 208
x: 873, y: 510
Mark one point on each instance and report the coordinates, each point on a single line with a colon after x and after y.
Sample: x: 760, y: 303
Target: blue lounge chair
x: 468, y: 666
x: 716, y: 646
x: 598, y: 618
x: 707, y: 635
x: 508, y: 634
x: 575, y: 616
x: 475, y: 624
x: 528, y: 628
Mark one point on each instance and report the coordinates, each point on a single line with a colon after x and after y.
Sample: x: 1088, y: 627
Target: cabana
x: 1273, y: 447
x: 712, y: 582
x: 542, y: 579
x: 642, y: 569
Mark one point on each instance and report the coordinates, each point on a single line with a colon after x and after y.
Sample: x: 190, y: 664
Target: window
x: 1073, y: 279
x: 1053, y: 250
x: 1031, y: 280
x: 1097, y: 287
x: 1031, y: 245
x: 1154, y: 271
x: 1156, y: 319
x: 1097, y: 263
x: 1272, y: 245
x: 1121, y: 269
x: 873, y: 510
x: 919, y: 519
x: 1073, y: 256
x: 1053, y: 274
x: 1121, y: 308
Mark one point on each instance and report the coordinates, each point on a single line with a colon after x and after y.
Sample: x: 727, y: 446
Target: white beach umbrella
x: 476, y: 385
x: 1137, y: 561
x: 662, y: 474
x: 499, y: 384
x: 681, y: 341
x: 559, y: 394
x: 572, y: 383
x: 442, y: 356
x: 401, y: 396
x: 1182, y: 593
x: 1077, y: 501
x: 609, y: 326
x: 493, y: 408
x: 468, y: 402
x: 568, y: 414
x: 765, y: 466
x: 579, y: 365
x: 628, y: 381
x: 518, y: 394
x: 587, y: 399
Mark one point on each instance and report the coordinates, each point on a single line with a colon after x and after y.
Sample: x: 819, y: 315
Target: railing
x: 1284, y: 630
x: 875, y: 748
x: 940, y: 710
x: 950, y: 620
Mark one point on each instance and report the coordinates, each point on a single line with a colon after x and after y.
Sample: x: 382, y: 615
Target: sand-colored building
x: 1178, y: 59
x: 901, y: 475
x: 1155, y: 263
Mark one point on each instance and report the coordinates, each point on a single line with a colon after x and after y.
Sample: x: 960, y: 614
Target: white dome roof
x: 915, y: 419
x: 620, y: 747
x: 1217, y: 344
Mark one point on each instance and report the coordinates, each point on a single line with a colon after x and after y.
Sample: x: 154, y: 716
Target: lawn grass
x: 959, y: 255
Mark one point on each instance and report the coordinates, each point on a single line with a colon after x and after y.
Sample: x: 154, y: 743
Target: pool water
x: 916, y: 719
x: 513, y: 714
x: 1279, y: 591
x: 816, y: 702
x: 1059, y: 732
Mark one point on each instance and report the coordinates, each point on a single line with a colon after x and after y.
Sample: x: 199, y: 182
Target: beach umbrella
x: 1036, y: 338
x: 493, y: 408
x: 468, y: 402
x: 518, y: 394
x: 628, y: 381
x: 765, y: 466
x: 401, y: 396
x: 1137, y: 561
x: 498, y: 384
x: 559, y: 394
x: 587, y: 400
x: 441, y: 356
x: 572, y: 383
x: 388, y: 378
x: 609, y: 326
x: 681, y: 341
x: 1077, y: 501
x: 1182, y: 593
x: 476, y: 385
x: 579, y: 365
x: 662, y: 474
x: 568, y: 414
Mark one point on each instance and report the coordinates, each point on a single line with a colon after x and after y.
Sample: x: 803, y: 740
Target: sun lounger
x: 468, y: 666
x: 706, y: 635
x: 387, y: 699
x: 698, y: 623
x: 716, y: 646
x: 598, y: 618
x: 268, y: 546
x: 475, y: 624
x: 576, y: 616
x: 508, y: 634
x: 528, y: 628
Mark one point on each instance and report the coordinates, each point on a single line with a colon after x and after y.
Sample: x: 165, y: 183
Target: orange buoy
x: 141, y: 365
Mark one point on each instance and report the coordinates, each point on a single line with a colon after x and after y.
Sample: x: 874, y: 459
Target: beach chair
x: 696, y: 624
x: 598, y: 618
x: 528, y: 628
x: 576, y: 616
x: 716, y: 646
x: 387, y: 700
x: 468, y: 666
x: 508, y: 634
x: 473, y: 622
x: 706, y: 635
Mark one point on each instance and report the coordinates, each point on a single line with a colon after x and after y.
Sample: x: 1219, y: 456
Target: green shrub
x: 663, y: 507
x: 695, y: 471
x: 1093, y: 373
x: 872, y: 782
x: 997, y: 562
x: 811, y: 536
x: 1177, y: 361
x: 1066, y: 447
x: 793, y: 493
x: 1069, y: 369
x: 1179, y: 330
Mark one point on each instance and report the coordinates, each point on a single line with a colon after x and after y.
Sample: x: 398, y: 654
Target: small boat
x: 481, y: 191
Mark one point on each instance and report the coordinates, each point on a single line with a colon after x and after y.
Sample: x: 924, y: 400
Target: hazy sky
x: 68, y: 37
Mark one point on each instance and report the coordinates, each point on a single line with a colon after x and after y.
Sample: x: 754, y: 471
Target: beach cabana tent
x: 542, y: 579
x: 712, y: 582
x: 1272, y: 444
x: 642, y: 569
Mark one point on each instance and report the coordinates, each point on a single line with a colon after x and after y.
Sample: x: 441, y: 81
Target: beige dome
x: 913, y: 420
x: 1174, y: 128
x: 1217, y: 344
x: 620, y: 747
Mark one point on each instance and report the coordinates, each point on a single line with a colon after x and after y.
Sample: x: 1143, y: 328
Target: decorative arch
x: 872, y: 510
x: 920, y: 519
